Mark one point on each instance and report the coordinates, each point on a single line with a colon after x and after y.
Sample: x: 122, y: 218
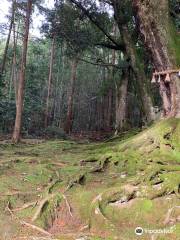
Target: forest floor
x: 69, y: 190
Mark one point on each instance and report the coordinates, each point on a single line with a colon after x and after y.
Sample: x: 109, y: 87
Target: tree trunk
x: 109, y: 106
x: 163, y: 42
x: 7, y: 41
x: 14, y: 61
x: 21, y: 84
x: 121, y: 103
x: 146, y: 104
x: 109, y: 109
x: 69, y: 116
x: 49, y: 83
x: 110, y: 92
x: 131, y: 53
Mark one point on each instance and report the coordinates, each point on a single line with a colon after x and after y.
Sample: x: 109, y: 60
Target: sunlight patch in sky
x: 37, y: 18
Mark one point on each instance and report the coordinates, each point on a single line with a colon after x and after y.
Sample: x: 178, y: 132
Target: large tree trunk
x: 121, y: 103
x: 110, y: 91
x: 49, y: 83
x: 108, y: 108
x: 131, y: 53
x: 146, y: 104
x: 21, y: 84
x: 69, y: 117
x: 163, y: 42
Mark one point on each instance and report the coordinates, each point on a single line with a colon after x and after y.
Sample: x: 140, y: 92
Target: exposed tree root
x: 112, y: 195
x: 95, y: 208
x: 165, y: 177
x: 88, y: 160
x: 102, y: 165
x: 54, y: 183
x: 26, y: 205
x: 157, y: 194
x: 8, y: 208
x: 2, y: 163
x: 168, y: 215
x: 5, y: 165
x: 68, y: 205
x: 59, y: 164
x: 79, y: 179
x: 41, y: 230
x: 41, y: 206
x: 18, y: 193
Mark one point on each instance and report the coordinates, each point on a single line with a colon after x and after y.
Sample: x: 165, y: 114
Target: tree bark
x: 110, y: 92
x: 49, y: 83
x: 146, y: 104
x: 131, y: 53
x: 21, y: 84
x: 69, y: 116
x: 109, y: 109
x: 7, y: 41
x: 121, y: 103
x: 110, y: 95
x: 14, y: 60
x: 163, y: 42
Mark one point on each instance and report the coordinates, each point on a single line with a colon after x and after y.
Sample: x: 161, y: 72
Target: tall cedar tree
x: 21, y: 84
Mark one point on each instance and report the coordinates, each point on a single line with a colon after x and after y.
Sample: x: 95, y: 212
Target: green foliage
x: 174, y: 43
x: 55, y: 132
x: 175, y: 11
x: 69, y: 24
x: 7, y: 115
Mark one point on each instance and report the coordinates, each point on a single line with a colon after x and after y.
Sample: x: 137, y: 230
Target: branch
x: 6, y: 28
x: 126, y: 65
x: 100, y: 64
x: 107, y: 45
x: 87, y: 13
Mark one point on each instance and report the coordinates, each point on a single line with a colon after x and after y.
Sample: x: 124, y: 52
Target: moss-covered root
x: 46, y: 211
x: 160, y: 135
x: 98, y: 218
x: 160, y: 185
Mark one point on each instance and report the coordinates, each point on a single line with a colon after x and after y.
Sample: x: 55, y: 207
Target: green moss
x: 171, y: 181
x: 48, y: 214
x: 174, y: 43
x: 147, y: 205
x: 144, y: 159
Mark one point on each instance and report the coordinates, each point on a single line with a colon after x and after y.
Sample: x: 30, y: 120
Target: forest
x: 90, y: 120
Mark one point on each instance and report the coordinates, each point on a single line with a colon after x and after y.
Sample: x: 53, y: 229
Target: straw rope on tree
x: 158, y: 76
